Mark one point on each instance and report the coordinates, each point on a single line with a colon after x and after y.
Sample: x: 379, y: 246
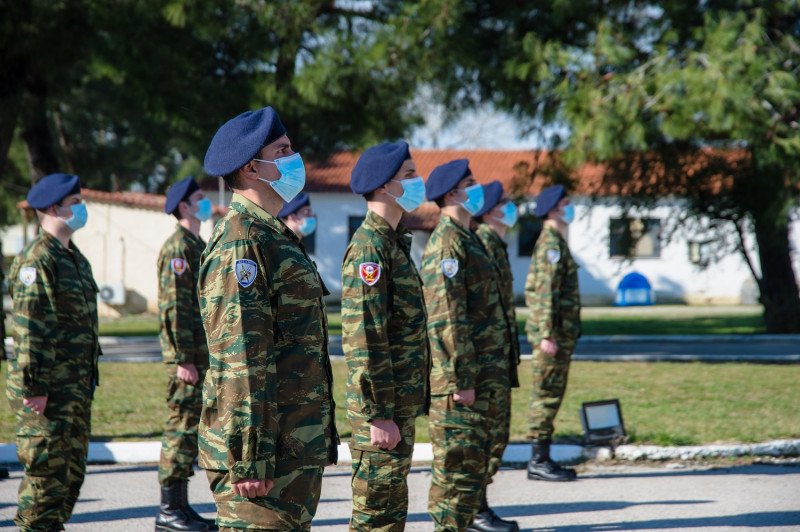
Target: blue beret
x: 301, y: 200
x: 240, y: 139
x: 51, y: 189
x: 179, y: 192
x: 492, y: 193
x: 377, y: 165
x: 548, y: 199
x: 445, y: 177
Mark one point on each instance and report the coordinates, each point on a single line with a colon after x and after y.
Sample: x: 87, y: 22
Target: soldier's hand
x: 384, y: 433
x: 549, y: 346
x: 252, y: 487
x: 188, y: 373
x: 464, y: 397
x: 37, y: 404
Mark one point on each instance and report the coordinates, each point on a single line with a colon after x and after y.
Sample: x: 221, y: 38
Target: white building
x: 125, y: 232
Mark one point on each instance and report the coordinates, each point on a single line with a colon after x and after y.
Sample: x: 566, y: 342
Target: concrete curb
x: 149, y: 452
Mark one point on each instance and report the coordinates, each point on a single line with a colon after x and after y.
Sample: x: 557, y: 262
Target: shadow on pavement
x: 580, y: 507
x: 759, y: 469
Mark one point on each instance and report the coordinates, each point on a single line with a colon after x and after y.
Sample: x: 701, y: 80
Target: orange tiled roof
x: 129, y: 199
x: 333, y: 175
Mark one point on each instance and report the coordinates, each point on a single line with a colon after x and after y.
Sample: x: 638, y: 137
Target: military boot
x: 488, y: 521
x: 172, y: 517
x: 541, y: 467
x: 194, y: 516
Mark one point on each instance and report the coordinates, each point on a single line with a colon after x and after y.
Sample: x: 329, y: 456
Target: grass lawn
x: 662, y: 403
x: 654, y: 320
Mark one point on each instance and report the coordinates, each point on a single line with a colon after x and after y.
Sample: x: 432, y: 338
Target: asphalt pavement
x: 662, y: 497
x: 763, y: 349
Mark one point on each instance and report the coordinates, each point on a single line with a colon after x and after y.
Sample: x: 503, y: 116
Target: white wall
x: 122, y: 244
x: 332, y: 238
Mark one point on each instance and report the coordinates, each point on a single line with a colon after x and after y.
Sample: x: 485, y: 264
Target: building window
x: 635, y: 237
x: 528, y: 230
x: 353, y: 223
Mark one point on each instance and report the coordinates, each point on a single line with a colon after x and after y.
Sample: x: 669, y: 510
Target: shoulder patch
x: 178, y: 266
x: 27, y: 276
x: 369, y: 272
x: 449, y: 267
x: 553, y: 255
x: 246, y: 271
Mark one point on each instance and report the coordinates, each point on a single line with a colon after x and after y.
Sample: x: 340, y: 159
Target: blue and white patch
x: 246, y: 271
x: 553, y: 255
x: 27, y: 276
x: 449, y: 267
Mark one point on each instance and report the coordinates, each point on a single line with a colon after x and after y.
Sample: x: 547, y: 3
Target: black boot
x: 171, y: 515
x: 542, y: 468
x: 488, y: 521
x: 194, y: 516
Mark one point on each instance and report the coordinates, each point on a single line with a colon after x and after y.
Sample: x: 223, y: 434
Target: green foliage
x: 148, y: 82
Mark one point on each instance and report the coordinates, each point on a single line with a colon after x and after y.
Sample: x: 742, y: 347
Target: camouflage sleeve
x: 35, y: 325
x: 448, y: 323
x: 239, y: 326
x: 541, y: 295
x: 365, y: 338
x: 178, y: 307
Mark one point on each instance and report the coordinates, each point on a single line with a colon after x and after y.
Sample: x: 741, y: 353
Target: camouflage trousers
x: 52, y: 449
x: 549, y: 385
x: 380, y: 491
x: 461, y: 450
x: 179, y: 442
x: 499, y: 431
x: 289, y: 505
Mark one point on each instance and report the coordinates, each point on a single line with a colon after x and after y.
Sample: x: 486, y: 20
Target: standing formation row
x: 244, y: 335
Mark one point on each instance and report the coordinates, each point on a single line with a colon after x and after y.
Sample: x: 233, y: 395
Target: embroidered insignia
x: 449, y: 267
x: 27, y: 276
x: 553, y: 255
x: 178, y: 266
x: 370, y: 272
x: 246, y: 271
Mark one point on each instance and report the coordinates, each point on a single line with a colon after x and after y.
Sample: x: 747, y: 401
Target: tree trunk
x: 36, y: 130
x: 778, y: 283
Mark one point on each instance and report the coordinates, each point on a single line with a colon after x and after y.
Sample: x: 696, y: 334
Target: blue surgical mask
x: 79, y: 216
x: 204, y: 209
x: 307, y: 226
x: 293, y: 176
x: 474, y: 201
x: 569, y: 214
x: 509, y: 214
x: 413, y: 193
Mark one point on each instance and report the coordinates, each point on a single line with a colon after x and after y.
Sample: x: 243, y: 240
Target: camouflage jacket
x: 496, y: 249
x: 383, y: 326
x: 56, y: 341
x: 466, y: 324
x: 551, y: 290
x: 267, y: 396
x: 183, y: 340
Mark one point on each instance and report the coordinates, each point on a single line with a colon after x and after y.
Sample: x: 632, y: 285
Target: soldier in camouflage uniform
x: 184, y: 350
x: 53, y: 372
x: 3, y: 470
x: 267, y: 427
x: 553, y: 327
x: 497, y: 215
x: 468, y: 348
x: 384, y: 338
x: 298, y: 216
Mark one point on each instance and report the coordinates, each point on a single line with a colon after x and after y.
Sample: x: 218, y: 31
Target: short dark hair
x: 369, y: 196
x: 231, y: 180
x: 440, y: 201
